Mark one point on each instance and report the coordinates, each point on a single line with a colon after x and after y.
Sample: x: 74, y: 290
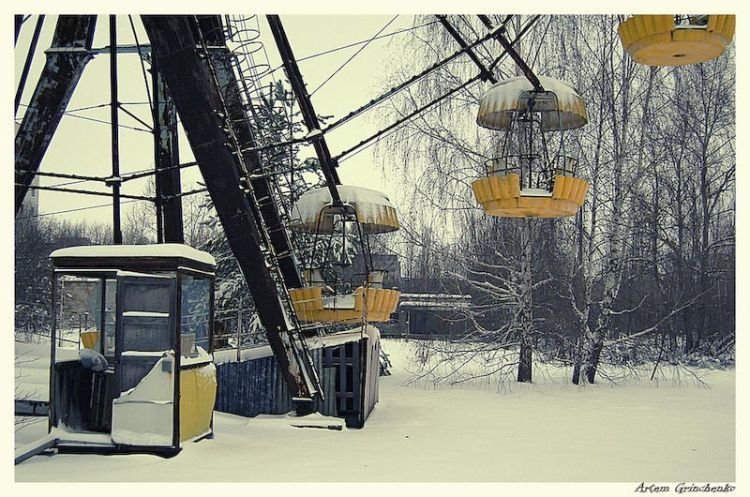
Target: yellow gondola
x: 502, y: 196
x: 523, y: 180
x: 312, y: 306
x: 666, y: 40
x: 372, y: 213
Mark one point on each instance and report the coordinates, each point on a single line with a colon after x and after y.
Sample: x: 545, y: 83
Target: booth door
x: 143, y: 412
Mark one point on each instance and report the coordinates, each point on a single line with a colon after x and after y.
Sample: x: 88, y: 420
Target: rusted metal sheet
x: 257, y: 386
x: 66, y: 60
x: 357, y: 367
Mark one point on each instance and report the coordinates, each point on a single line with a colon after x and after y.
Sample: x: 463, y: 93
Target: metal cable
x: 353, y: 56
x: 108, y: 204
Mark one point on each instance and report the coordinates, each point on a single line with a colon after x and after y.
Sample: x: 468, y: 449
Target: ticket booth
x: 131, y: 362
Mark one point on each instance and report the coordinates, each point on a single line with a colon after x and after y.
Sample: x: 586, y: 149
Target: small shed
x: 347, y: 362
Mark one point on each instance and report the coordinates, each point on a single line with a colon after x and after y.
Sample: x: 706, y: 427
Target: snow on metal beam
x: 65, y: 63
x: 327, y: 163
x: 223, y: 60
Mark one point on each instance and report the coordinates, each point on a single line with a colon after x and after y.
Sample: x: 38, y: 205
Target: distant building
x: 431, y: 315
x: 428, y: 307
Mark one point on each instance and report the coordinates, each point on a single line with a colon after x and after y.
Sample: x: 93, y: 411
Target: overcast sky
x: 81, y: 143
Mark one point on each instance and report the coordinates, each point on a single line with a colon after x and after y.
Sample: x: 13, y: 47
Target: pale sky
x: 83, y: 146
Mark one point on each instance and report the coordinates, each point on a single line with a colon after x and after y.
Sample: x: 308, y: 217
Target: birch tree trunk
x: 620, y: 118
x: 526, y: 318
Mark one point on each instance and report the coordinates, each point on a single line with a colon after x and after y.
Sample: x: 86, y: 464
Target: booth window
x: 80, y: 301
x: 110, y: 316
x: 145, y: 314
x: 195, y: 305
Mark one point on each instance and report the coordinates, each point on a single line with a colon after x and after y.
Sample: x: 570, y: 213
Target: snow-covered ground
x: 673, y: 430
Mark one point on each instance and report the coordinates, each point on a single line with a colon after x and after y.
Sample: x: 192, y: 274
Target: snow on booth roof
x: 375, y: 212
x: 500, y: 102
x: 157, y: 250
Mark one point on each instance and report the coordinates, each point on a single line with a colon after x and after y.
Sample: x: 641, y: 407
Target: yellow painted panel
x: 197, y: 399
x: 651, y: 24
x: 558, y: 185
x: 575, y: 194
x: 665, y: 23
x: 656, y: 41
x: 89, y: 339
x: 568, y: 195
x: 535, y: 206
x: 493, y: 187
x: 722, y: 24
x: 568, y: 185
x: 490, y: 187
x: 500, y: 188
x: 581, y: 193
x: 476, y: 188
x: 514, y: 180
x: 381, y: 303
x: 639, y: 23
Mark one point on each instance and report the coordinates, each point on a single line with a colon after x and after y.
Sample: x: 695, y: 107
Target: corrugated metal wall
x: 348, y: 372
x: 257, y: 386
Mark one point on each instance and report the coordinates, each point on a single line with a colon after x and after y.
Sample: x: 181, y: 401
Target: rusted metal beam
x: 115, y: 132
x: 19, y: 20
x: 29, y: 59
x: 60, y: 75
x: 484, y: 73
x: 89, y: 192
x: 508, y: 47
x: 211, y: 29
x: 166, y: 158
x: 81, y: 177
x: 327, y: 164
x: 199, y: 104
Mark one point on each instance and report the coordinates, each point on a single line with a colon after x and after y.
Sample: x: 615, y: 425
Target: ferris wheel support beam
x: 66, y: 60
x: 212, y: 30
x: 19, y: 20
x: 327, y: 163
x: 29, y: 59
x: 485, y: 74
x: 166, y: 157
x: 525, y: 69
x: 115, y: 132
x: 199, y: 103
